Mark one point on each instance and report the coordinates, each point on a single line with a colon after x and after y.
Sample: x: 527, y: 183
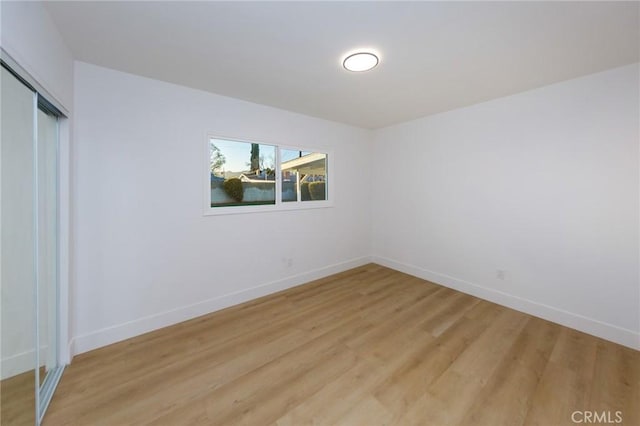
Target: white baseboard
x: 587, y: 325
x: 20, y: 363
x: 109, y: 335
x: 71, y: 345
x: 17, y: 364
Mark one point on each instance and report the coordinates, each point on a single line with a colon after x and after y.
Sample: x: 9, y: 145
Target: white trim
x: 119, y: 332
x: 36, y: 251
x: 64, y: 232
x: 17, y: 364
x: 71, y: 347
x: 279, y: 204
x: 579, y: 322
x: 21, y: 362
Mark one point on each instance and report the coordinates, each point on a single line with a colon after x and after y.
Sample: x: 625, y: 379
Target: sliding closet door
x: 47, y: 234
x: 17, y: 248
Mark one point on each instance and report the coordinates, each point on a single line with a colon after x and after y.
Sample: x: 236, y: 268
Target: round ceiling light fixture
x: 361, y: 61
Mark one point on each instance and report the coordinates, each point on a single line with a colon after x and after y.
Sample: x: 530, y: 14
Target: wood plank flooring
x: 18, y: 400
x: 370, y: 346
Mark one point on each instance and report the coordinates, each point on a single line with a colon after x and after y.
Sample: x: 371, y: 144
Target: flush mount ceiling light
x: 361, y: 61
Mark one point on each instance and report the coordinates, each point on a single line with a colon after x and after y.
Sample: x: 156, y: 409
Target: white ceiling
x: 435, y: 56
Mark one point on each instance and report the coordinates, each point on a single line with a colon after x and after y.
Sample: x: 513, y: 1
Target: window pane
x: 304, y: 175
x: 242, y: 173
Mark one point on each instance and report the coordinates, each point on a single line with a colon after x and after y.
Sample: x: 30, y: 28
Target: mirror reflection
x: 47, y: 241
x: 18, y: 273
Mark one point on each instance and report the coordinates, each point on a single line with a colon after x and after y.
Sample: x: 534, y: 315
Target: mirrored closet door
x: 18, y: 391
x: 47, y: 253
x: 30, y: 368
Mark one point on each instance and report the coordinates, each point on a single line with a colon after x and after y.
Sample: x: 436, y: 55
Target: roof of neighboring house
x: 253, y: 177
x: 314, y: 163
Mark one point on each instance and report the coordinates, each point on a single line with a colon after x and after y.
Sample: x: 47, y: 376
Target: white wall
x: 29, y: 35
x: 543, y: 185
x: 145, y: 255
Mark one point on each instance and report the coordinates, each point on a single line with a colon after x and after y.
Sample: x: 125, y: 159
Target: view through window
x: 304, y: 175
x: 244, y: 174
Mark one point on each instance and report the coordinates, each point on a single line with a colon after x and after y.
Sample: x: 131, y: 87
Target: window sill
x: 291, y: 206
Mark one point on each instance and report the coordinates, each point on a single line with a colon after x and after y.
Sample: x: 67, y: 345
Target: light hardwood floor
x: 18, y: 400
x: 369, y: 346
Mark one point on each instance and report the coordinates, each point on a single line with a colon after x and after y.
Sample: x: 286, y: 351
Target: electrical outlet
x: 501, y: 274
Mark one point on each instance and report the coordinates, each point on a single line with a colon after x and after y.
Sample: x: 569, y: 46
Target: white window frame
x: 279, y: 204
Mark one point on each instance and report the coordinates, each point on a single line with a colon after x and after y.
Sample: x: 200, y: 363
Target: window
x: 246, y: 176
x: 304, y: 175
x: 242, y: 173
